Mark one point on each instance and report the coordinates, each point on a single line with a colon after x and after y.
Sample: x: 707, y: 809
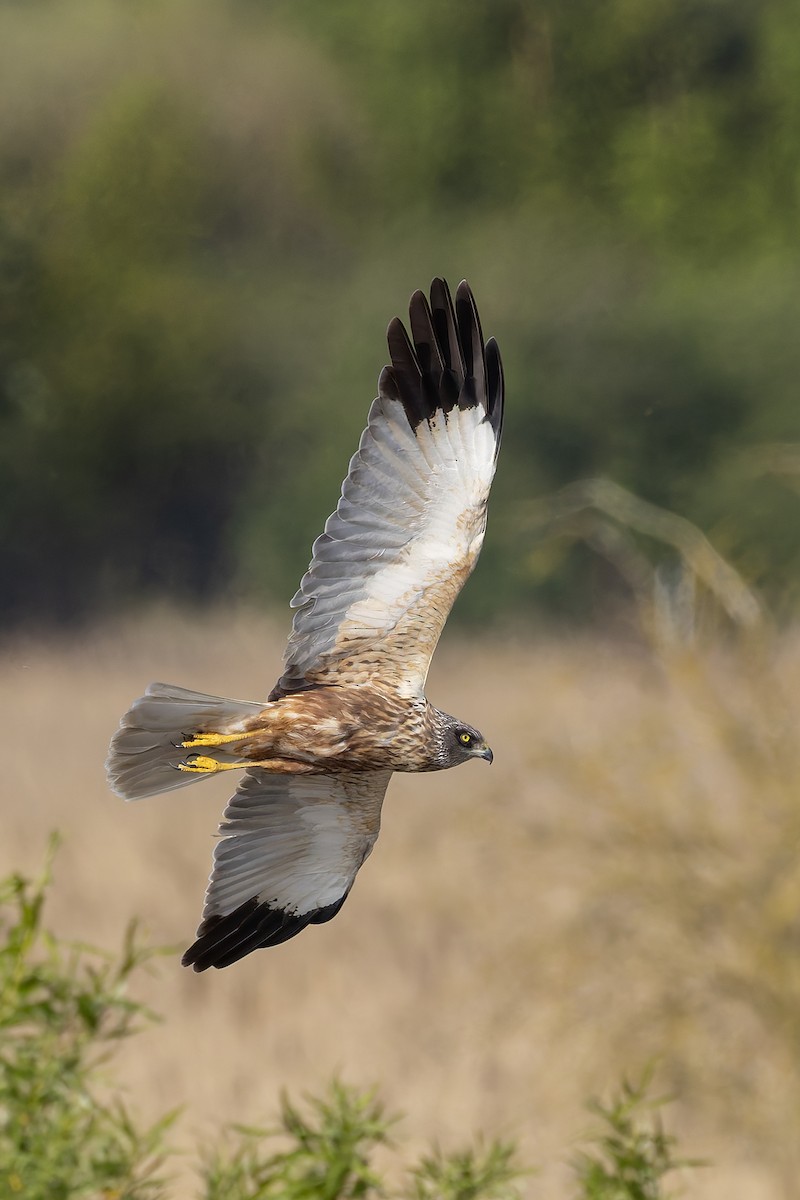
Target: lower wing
x: 290, y: 850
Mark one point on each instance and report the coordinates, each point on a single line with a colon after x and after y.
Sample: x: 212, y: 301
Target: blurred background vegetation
x: 209, y: 212
x: 65, y: 1008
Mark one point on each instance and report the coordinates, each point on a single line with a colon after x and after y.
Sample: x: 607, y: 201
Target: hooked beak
x: 487, y: 754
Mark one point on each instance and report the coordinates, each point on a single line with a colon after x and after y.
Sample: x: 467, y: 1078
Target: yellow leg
x: 216, y: 739
x: 200, y: 765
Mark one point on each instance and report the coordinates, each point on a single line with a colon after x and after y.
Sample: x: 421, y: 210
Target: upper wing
x: 410, y: 522
x: 290, y: 850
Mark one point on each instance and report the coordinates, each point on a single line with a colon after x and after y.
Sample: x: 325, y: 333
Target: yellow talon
x: 207, y: 766
x: 200, y: 765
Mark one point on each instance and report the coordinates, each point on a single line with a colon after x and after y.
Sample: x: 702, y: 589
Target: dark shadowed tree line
x: 209, y: 212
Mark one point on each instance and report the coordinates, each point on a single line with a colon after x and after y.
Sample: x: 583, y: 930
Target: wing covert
x: 410, y: 521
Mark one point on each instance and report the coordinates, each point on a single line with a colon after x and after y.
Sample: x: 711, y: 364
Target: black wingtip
x: 470, y: 336
x: 445, y: 361
x: 495, y: 388
x: 224, y: 940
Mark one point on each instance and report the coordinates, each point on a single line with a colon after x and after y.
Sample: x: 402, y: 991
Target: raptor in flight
x: 350, y: 707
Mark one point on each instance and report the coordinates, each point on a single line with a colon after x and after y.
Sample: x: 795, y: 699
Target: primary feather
x: 410, y: 522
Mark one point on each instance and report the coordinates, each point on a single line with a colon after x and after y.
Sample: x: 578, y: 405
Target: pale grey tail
x: 145, y: 751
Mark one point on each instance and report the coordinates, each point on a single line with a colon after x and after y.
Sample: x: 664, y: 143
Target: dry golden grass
x: 621, y: 886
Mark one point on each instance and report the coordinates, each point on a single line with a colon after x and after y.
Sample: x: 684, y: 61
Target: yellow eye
x: 465, y: 738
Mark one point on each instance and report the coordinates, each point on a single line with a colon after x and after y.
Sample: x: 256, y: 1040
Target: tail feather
x: 143, y: 756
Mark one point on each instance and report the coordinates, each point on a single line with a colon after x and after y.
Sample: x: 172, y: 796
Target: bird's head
x: 459, y: 742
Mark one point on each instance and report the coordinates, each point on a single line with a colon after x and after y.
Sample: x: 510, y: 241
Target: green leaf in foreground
x: 469, y: 1175
x: 633, y: 1153
x: 66, y: 1135
x: 328, y: 1157
x: 62, y: 1009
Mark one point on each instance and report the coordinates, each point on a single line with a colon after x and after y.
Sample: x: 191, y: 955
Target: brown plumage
x: 355, y: 728
x: 349, y: 708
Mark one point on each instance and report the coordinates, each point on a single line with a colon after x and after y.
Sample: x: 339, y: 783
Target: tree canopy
x: 209, y: 212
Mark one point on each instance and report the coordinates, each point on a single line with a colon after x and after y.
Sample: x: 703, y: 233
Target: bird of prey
x: 350, y: 706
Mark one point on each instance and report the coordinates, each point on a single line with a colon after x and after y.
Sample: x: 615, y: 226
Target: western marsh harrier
x: 350, y: 707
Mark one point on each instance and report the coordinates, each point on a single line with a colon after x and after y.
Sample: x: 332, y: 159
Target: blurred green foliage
x: 631, y: 1155
x: 65, y: 1134
x: 63, y: 1011
x: 209, y: 212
